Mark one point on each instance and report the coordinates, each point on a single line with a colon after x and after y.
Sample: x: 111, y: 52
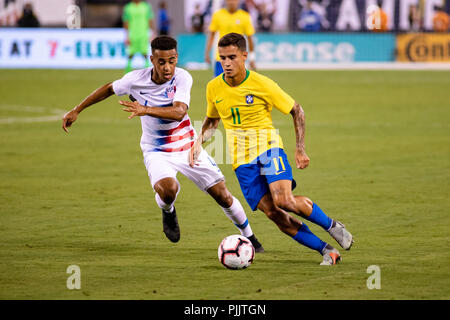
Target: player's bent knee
x: 167, y: 191
x: 170, y: 194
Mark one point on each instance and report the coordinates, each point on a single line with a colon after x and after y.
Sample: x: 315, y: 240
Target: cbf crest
x: 249, y: 99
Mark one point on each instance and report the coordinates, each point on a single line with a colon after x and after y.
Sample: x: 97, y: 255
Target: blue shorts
x: 255, y: 177
x: 218, y: 68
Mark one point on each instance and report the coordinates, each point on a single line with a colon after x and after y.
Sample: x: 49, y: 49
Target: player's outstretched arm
x: 298, y: 115
x: 177, y: 111
x: 208, y: 128
x: 98, y: 95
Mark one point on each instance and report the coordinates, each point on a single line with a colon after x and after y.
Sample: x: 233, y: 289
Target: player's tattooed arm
x: 208, y: 128
x: 298, y: 115
x: 98, y: 95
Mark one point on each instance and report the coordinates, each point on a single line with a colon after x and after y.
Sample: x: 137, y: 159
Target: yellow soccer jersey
x: 225, y: 22
x: 246, y: 114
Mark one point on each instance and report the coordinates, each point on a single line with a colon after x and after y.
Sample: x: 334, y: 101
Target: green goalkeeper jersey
x: 137, y: 15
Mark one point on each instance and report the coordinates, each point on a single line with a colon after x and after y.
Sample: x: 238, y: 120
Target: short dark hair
x: 233, y: 39
x: 164, y: 43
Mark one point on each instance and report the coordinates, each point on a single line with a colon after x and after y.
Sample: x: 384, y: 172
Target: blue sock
x: 320, y: 218
x: 305, y: 237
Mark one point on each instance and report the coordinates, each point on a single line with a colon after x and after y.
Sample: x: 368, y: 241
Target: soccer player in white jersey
x: 161, y: 97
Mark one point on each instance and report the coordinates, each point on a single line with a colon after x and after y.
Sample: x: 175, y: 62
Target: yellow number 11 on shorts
x: 278, y: 162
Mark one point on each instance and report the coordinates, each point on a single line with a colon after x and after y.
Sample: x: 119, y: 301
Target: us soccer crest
x: 249, y: 99
x: 170, y: 92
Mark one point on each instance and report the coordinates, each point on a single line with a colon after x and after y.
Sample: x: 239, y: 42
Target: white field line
x: 57, y: 114
x: 29, y: 120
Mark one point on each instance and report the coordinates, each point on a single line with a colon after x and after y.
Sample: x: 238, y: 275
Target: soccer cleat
x: 170, y: 225
x: 341, y: 235
x: 256, y: 244
x: 330, y: 257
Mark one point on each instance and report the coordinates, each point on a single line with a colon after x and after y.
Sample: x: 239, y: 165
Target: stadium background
x: 378, y: 142
x: 344, y: 36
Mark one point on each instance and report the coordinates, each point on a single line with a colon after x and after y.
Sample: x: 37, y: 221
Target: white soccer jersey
x: 160, y: 135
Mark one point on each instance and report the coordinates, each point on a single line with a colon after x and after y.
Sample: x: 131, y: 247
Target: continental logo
x: 423, y: 47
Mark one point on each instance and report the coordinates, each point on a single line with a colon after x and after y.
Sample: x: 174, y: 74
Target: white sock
x: 166, y: 207
x: 237, y: 214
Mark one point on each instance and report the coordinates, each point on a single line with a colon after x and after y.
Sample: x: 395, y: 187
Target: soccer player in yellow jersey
x: 227, y: 20
x: 244, y: 100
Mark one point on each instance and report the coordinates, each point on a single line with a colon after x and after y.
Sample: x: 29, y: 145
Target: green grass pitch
x: 379, y: 143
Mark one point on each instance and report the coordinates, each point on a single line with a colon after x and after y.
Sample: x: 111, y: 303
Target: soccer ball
x: 236, y: 252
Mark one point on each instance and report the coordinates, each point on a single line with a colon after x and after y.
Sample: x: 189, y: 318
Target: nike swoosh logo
x: 218, y: 101
x: 140, y: 92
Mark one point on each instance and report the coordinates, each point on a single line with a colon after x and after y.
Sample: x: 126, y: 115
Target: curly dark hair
x: 164, y: 43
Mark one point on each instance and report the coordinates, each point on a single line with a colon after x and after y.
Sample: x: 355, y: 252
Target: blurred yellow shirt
x: 246, y: 114
x: 225, y: 22
x: 440, y: 22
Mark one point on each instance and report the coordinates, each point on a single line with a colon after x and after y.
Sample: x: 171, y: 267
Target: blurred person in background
x: 9, y: 13
x: 313, y: 15
x: 266, y: 11
x: 198, y: 19
x: 440, y: 21
x: 227, y: 20
x: 28, y: 18
x: 309, y: 19
x: 164, y: 20
x: 421, y: 14
x: 248, y: 5
x: 138, y: 22
x: 414, y: 18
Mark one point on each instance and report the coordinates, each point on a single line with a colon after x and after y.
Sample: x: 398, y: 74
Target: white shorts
x: 162, y: 165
